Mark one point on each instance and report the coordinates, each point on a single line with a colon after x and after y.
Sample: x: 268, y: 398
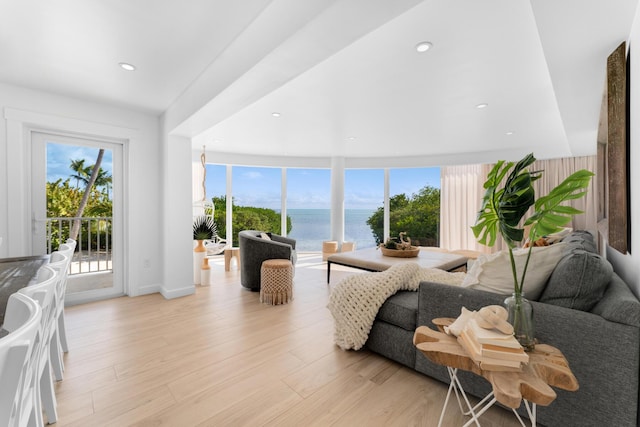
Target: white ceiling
x: 344, y: 74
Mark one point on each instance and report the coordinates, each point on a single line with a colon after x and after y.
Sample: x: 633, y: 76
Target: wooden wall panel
x: 617, y: 173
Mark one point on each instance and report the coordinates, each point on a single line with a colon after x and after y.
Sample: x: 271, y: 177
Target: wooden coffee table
x: 547, y: 367
x: 371, y: 259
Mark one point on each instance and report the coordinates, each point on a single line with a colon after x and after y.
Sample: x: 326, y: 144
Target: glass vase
x: 521, y: 317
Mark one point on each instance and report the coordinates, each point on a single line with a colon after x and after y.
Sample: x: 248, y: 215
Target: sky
x: 311, y: 188
x: 59, y: 157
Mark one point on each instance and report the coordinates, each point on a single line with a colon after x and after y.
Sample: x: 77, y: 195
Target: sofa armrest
x: 262, y: 249
x: 441, y: 300
x: 285, y: 240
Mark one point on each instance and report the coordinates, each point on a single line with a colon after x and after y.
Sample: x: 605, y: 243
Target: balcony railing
x: 94, y: 242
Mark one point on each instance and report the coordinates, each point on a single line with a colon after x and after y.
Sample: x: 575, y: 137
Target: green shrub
x: 246, y: 218
x: 418, y: 216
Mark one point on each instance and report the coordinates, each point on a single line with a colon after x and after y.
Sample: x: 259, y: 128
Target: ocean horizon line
x: 327, y: 209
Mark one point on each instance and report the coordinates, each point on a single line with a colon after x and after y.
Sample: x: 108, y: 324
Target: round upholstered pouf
x: 276, y: 281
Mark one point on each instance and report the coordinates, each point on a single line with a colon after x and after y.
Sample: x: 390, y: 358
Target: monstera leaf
x: 503, y: 208
x: 550, y: 215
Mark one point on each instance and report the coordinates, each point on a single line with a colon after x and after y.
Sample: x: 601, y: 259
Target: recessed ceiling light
x: 423, y: 46
x: 127, y: 66
x: 275, y: 114
x: 351, y: 138
x: 509, y: 133
x: 481, y: 106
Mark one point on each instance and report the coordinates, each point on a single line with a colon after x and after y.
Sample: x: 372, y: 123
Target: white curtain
x: 461, y: 194
x: 556, y: 171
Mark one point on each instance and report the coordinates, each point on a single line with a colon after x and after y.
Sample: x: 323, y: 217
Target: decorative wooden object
x: 617, y: 150
x: 547, y: 367
x: 399, y: 253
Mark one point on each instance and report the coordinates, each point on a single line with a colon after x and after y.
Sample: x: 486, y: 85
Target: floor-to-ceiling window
x: 256, y: 199
x: 309, y: 207
x: 364, y: 204
x: 414, y: 195
x: 216, y: 185
x: 414, y: 204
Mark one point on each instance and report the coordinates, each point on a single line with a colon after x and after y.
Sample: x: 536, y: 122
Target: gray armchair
x: 254, y: 250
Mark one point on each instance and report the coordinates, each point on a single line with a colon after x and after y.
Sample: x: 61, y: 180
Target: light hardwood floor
x: 220, y: 358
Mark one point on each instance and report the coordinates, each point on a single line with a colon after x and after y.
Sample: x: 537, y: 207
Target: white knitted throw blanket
x: 355, y: 301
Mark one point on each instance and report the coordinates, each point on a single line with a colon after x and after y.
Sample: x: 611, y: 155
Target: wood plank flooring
x: 221, y: 358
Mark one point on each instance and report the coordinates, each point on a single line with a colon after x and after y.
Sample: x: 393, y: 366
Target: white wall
x: 178, y: 216
x: 143, y: 213
x: 628, y: 266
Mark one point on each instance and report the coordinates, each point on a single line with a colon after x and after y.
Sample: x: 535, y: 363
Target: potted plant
x: 204, y: 228
x: 503, y: 209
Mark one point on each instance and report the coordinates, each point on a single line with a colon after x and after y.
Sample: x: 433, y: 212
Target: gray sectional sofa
x: 585, y: 310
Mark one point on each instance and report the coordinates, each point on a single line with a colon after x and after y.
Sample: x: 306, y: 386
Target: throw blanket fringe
x: 355, y: 301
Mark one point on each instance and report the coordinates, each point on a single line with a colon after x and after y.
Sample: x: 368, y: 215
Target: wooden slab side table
x: 547, y: 367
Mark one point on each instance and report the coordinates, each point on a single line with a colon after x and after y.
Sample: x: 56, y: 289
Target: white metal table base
x: 481, y: 407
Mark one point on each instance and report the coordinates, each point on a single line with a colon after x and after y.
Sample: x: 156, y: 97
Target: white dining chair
x: 72, y: 243
x: 44, y: 292
x: 60, y: 264
x: 18, y: 357
x: 67, y: 249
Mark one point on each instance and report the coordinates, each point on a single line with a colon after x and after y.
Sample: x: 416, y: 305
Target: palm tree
x: 80, y: 172
x: 95, y: 171
x: 103, y: 179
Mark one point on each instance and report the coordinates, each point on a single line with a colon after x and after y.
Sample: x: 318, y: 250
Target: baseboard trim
x: 177, y: 293
x: 145, y: 290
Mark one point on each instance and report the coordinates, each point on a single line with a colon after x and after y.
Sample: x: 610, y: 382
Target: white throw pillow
x: 493, y: 272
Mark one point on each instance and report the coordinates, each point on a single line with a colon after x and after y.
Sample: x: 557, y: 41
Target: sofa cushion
x: 578, y: 281
x: 493, y: 272
x: 401, y: 310
x: 581, y: 240
x: 619, y: 304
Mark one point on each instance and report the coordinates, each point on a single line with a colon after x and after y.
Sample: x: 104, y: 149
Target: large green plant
x: 503, y: 208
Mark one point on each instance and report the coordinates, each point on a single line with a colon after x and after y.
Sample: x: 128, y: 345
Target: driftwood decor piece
x: 613, y: 152
x: 547, y: 367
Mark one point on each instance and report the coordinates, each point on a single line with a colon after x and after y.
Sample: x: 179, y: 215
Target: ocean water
x: 310, y: 227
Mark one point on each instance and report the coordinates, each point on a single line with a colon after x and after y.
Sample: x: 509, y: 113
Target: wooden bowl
x: 407, y: 253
